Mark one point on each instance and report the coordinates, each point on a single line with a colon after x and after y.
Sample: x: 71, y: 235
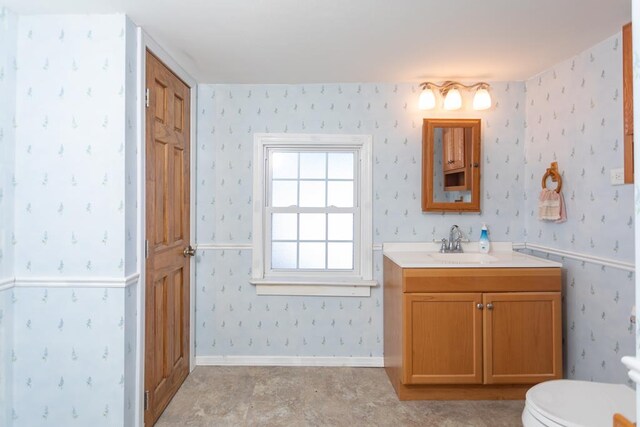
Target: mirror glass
x: 448, y: 174
x: 451, y: 165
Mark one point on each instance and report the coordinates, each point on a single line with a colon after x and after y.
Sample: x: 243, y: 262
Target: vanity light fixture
x: 450, y: 90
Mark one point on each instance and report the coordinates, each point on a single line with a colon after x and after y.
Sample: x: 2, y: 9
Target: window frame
x: 312, y: 282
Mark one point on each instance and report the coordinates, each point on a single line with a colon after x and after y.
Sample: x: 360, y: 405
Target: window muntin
x: 312, y: 211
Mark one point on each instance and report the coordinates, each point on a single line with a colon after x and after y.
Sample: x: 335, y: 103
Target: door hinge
x: 146, y: 249
x: 146, y: 400
x: 146, y: 98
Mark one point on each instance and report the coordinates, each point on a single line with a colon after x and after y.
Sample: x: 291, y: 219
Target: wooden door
x: 627, y: 96
x: 167, y: 228
x: 442, y: 338
x: 522, y: 337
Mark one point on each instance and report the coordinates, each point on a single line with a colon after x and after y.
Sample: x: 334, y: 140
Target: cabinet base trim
x: 457, y: 392
x: 462, y: 392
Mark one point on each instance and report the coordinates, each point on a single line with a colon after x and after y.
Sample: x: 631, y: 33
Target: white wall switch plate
x: 617, y: 176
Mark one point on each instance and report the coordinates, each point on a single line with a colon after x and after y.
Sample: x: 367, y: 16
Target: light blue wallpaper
x: 574, y: 117
x: 6, y: 344
x: 229, y: 115
x: 68, y: 365
x: 131, y: 225
x: 130, y: 148
x: 8, y: 35
x: 232, y: 320
x: 72, y: 354
x: 597, y: 303
x: 70, y: 145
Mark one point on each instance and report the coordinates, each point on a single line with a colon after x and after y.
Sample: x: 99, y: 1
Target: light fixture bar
x: 452, y: 99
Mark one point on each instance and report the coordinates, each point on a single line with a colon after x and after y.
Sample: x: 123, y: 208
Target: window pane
x: 340, y: 226
x: 340, y: 194
x: 313, y: 227
x: 283, y: 255
x: 312, y: 255
x: 312, y: 194
x: 313, y: 165
x: 284, y: 165
x: 284, y: 193
x: 340, y: 165
x: 284, y: 226
x: 340, y: 256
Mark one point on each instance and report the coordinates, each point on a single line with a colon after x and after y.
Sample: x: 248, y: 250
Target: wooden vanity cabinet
x: 485, y: 333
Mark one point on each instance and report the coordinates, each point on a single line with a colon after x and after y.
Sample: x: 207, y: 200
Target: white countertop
x: 416, y: 255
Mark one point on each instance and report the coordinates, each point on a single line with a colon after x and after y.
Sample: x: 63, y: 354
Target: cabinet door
x: 522, y: 337
x: 458, y: 148
x: 442, y: 338
x: 453, y: 149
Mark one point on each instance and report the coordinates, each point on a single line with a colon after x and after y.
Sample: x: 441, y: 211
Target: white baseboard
x: 360, y: 362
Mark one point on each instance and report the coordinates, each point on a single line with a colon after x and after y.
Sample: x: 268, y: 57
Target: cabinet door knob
x: 480, y: 306
x: 490, y: 306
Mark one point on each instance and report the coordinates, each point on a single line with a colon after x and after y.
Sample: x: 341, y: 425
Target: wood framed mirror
x: 451, y: 165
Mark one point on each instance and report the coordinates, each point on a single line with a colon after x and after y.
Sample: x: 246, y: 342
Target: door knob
x: 480, y: 306
x: 490, y: 306
x: 188, y: 251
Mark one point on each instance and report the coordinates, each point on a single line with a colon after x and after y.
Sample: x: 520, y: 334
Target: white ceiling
x: 313, y: 41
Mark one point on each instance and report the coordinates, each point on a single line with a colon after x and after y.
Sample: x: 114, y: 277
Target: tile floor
x: 303, y: 396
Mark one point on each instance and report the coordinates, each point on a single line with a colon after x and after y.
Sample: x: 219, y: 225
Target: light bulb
x: 453, y: 100
x: 482, y: 99
x: 427, y: 100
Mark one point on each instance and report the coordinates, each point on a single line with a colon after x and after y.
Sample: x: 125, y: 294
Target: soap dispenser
x: 484, y: 243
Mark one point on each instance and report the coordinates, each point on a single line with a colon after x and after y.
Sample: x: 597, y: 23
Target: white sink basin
x: 464, y: 258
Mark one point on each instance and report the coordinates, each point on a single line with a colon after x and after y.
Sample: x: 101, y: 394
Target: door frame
x: 144, y: 42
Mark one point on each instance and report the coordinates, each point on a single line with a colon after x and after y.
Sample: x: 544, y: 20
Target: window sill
x: 350, y: 288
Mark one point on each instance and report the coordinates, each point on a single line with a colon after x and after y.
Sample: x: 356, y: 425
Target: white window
x: 312, y: 230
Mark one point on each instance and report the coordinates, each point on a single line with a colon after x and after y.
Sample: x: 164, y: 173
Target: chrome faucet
x: 454, y: 245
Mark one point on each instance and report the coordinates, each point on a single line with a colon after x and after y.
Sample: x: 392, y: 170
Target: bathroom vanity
x: 470, y: 325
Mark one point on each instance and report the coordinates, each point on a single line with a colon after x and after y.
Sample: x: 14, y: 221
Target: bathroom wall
x: 635, y: 10
x: 131, y: 221
x: 8, y: 35
x: 73, y: 349
x: 70, y: 146
x: 231, y: 319
x: 574, y: 117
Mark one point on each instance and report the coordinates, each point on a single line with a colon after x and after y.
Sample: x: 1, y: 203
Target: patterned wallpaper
x: 574, y: 117
x: 231, y: 319
x: 8, y: 35
x: 72, y: 354
x: 70, y: 146
x: 68, y: 364
x: 597, y: 303
x: 130, y: 148
x: 131, y: 221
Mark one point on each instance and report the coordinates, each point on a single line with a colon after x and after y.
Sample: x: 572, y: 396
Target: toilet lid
x: 582, y: 403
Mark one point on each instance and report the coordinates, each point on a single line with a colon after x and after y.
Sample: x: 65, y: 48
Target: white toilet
x: 568, y: 403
